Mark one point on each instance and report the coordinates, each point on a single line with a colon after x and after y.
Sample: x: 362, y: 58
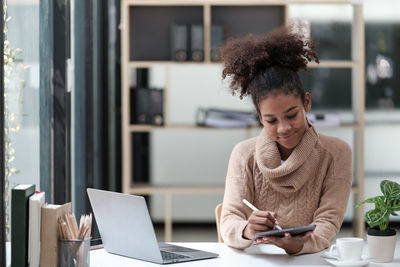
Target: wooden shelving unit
x: 219, y: 11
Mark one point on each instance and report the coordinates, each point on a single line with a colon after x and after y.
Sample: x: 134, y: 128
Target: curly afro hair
x: 263, y: 64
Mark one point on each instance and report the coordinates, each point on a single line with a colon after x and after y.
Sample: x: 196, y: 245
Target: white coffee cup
x: 348, y: 248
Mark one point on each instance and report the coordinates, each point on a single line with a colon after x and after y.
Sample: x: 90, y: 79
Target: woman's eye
x: 272, y: 121
x: 292, y: 116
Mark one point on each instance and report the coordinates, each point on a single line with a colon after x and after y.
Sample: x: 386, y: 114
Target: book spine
x: 48, y: 239
x: 49, y: 234
x: 20, y: 225
x: 35, y: 203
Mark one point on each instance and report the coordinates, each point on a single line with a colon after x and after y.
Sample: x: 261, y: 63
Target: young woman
x: 292, y: 174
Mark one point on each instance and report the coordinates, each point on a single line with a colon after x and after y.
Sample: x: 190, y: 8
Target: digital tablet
x: 298, y: 230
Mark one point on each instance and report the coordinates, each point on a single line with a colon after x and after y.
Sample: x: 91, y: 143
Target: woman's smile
x: 287, y: 137
x: 284, y: 119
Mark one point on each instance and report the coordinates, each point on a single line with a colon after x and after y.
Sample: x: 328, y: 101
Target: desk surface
x: 260, y: 255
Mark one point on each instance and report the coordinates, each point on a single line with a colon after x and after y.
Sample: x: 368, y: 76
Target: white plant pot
x: 381, y: 248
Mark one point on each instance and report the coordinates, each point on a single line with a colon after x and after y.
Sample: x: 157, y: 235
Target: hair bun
x: 245, y: 58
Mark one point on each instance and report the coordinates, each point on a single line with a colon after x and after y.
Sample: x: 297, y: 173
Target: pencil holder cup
x: 74, y: 252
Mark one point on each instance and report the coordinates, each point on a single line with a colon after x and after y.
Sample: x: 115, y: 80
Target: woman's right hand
x: 259, y: 221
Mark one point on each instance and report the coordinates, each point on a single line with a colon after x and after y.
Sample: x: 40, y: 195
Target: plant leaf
x: 376, y: 217
x: 396, y: 205
x: 380, y: 203
x: 376, y: 200
x: 390, y: 189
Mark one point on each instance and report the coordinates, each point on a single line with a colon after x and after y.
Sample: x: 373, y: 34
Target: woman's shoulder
x: 242, y: 158
x: 335, y: 146
x: 245, y: 148
x: 340, y: 156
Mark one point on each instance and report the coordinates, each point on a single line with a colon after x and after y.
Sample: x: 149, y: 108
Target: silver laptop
x: 126, y: 229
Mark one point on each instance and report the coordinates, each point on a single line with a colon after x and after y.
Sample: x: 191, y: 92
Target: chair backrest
x: 218, y: 210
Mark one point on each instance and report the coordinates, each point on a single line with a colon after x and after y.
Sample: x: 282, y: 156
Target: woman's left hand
x: 291, y: 244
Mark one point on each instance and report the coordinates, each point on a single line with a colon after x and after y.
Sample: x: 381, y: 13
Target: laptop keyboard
x: 167, y: 256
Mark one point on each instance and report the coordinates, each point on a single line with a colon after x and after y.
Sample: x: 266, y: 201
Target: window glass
x: 330, y: 27
x: 382, y: 83
x: 330, y: 88
x: 382, y: 37
x: 21, y: 96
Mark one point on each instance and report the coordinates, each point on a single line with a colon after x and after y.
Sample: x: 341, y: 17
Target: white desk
x: 260, y: 255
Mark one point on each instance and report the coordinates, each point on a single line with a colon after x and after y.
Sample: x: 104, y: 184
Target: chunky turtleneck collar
x: 268, y: 160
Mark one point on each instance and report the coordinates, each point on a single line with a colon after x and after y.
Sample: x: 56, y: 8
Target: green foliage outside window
x: 13, y: 82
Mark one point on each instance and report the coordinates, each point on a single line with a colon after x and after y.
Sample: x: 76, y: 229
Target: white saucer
x: 334, y: 261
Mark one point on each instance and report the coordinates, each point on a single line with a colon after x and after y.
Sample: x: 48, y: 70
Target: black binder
x: 156, y: 111
x: 141, y: 157
x: 147, y: 106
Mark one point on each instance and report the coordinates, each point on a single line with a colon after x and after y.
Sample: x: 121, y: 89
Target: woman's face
x: 284, y: 118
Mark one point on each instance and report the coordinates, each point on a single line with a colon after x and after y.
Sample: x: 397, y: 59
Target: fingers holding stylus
x: 259, y: 221
x: 265, y: 218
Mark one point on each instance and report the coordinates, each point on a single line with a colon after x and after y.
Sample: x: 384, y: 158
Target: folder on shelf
x: 324, y: 119
x: 196, y: 42
x: 20, y: 224
x: 147, y: 106
x: 36, y: 202
x: 217, y: 38
x: 49, y: 233
x: 179, y: 42
x: 157, y: 106
x: 140, y: 157
x: 222, y: 118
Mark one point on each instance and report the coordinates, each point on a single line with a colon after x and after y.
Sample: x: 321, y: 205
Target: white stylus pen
x: 251, y: 206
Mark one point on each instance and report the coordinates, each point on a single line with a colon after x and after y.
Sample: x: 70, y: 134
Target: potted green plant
x: 382, y: 239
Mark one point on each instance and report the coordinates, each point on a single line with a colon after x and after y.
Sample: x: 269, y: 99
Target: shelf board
x: 334, y: 64
x: 145, y: 128
x: 147, y: 64
x: 142, y: 128
x: 342, y: 126
x: 328, y: 2
x: 323, y: 63
x: 164, y: 3
x: 148, y: 128
x: 234, y: 2
x: 149, y: 189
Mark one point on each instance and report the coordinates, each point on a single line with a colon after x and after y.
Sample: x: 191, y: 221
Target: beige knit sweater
x: 311, y: 186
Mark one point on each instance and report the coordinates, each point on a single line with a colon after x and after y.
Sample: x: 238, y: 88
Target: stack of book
x: 34, y: 230
x: 20, y: 195
x: 223, y: 118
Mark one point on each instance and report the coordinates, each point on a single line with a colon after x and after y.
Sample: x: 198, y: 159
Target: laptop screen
x: 125, y: 225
